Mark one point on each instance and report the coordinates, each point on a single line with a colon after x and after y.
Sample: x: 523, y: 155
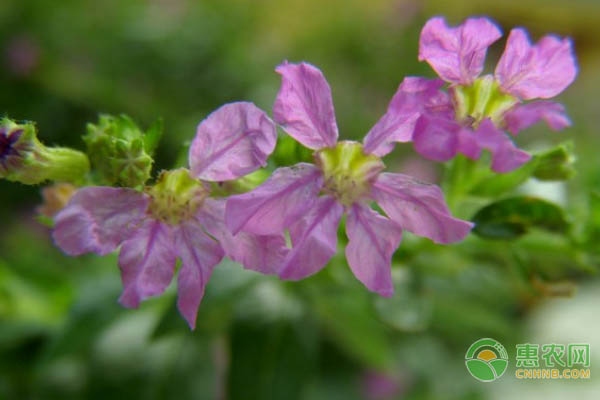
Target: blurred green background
x: 63, y: 334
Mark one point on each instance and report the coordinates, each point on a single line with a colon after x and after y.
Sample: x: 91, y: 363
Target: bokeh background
x: 63, y: 334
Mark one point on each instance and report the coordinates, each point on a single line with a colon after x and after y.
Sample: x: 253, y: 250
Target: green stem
x: 457, y: 180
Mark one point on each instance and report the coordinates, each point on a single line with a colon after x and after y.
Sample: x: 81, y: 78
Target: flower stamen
x: 348, y: 172
x: 176, y: 196
x: 482, y: 99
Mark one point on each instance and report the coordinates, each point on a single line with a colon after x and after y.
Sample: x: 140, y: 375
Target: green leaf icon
x: 481, y: 370
x: 499, y: 366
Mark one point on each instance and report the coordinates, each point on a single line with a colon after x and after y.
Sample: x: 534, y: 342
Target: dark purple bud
x: 23, y: 158
x: 8, y: 146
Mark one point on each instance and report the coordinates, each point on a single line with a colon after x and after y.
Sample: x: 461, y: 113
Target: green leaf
x: 465, y: 176
x: 153, y: 136
x: 496, y: 184
x: 289, y: 152
x: 513, y: 217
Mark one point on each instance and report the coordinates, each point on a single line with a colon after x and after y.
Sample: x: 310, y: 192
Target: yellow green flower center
x: 348, y: 171
x: 176, y: 196
x: 483, y: 99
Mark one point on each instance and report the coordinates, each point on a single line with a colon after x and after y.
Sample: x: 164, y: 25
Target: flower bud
x: 555, y: 164
x: 55, y: 198
x: 119, y: 151
x: 23, y: 158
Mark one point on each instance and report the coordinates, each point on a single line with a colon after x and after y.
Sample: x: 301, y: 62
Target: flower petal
x: 97, y: 219
x: 539, y: 71
x: 418, y: 207
x: 277, y: 203
x: 505, y: 155
x: 199, y: 254
x: 314, y: 240
x: 147, y: 262
x: 373, y: 239
x: 303, y: 106
x: 468, y: 144
x: 261, y: 253
x: 233, y: 141
x: 414, y: 96
x: 437, y: 139
x: 457, y: 54
x: 523, y: 116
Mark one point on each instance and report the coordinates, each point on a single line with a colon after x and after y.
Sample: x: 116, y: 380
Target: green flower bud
x: 23, y: 158
x: 119, y: 151
x: 555, y: 164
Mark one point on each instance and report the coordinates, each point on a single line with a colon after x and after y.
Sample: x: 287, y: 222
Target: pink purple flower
x: 474, y: 113
x: 309, y: 199
x: 176, y: 218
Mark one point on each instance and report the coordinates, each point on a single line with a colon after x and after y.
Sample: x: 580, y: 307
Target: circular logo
x: 486, y: 360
